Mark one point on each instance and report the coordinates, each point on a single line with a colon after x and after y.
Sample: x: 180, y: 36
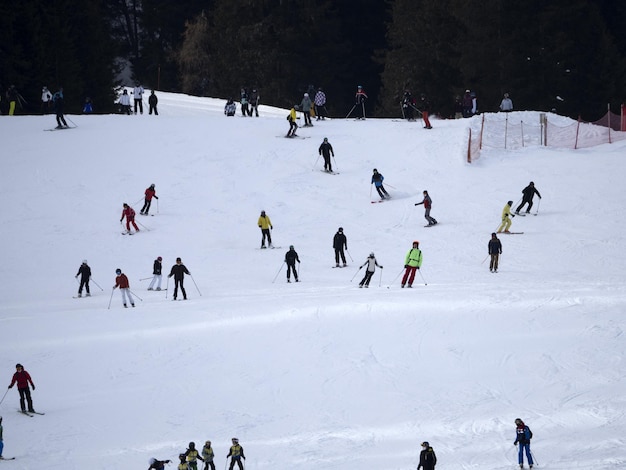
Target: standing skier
x: 494, y: 248
x: 178, y: 271
x: 85, y: 274
x: 183, y: 465
x: 412, y: 262
x: 192, y: 456
x: 339, y: 243
x: 377, y: 181
x: 125, y: 102
x: 428, y: 459
x: 506, y: 218
x: 265, y: 224
x: 244, y: 101
x: 157, y: 274
x: 208, y: 455
x: 428, y: 203
x: 290, y: 258
x: 305, y: 106
x: 46, y: 99
x: 236, y: 454
x: 528, y: 194
x: 22, y: 379
x: 506, y: 104
x: 360, y: 98
x: 255, y: 99
x: 408, y: 105
x: 523, y: 437
x: 157, y: 464
x: 121, y: 281
x: 326, y: 150
x: 371, y: 264
x: 59, y: 103
x: 149, y: 194
x: 138, y: 97
x: 424, y: 107
x: 320, y: 104
x: 293, y: 125
x: 152, y: 103
x: 129, y: 213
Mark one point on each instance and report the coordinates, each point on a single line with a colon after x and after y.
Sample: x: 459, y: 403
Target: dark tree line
x: 535, y: 50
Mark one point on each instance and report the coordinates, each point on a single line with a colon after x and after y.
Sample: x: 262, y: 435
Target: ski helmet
x: 340, y: 229
x: 375, y: 170
x: 118, y: 271
x: 152, y: 461
x: 360, y: 87
x: 207, y: 443
x: 182, y: 457
x: 425, y: 444
x: 235, y: 440
x: 152, y: 185
x: 84, y: 261
x: 415, y: 242
x: 192, y: 445
x: 510, y: 203
x: 325, y: 139
x: 372, y: 254
x: 306, y: 95
x: 291, y: 248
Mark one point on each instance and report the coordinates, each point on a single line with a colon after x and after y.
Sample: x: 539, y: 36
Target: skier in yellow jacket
x: 412, y: 262
x: 265, y: 224
x: 236, y: 454
x: 293, y: 125
x: 506, y: 218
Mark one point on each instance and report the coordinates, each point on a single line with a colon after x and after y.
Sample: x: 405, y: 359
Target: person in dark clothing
x: 428, y: 459
x: 428, y: 203
x: 339, y: 243
x: 236, y: 455
x: 523, y: 437
x: 85, y: 274
x: 360, y: 98
x: 22, y: 378
x: 178, y: 271
x: 424, y: 107
x: 494, y: 248
x: 408, y: 105
x: 156, y: 272
x: 157, y: 464
x: 152, y: 102
x: 528, y: 194
x: 377, y: 180
x: 59, y: 103
x: 254, y: 103
x: 290, y: 258
x: 467, y: 103
x: 149, y: 194
x: 244, y: 101
x: 326, y: 150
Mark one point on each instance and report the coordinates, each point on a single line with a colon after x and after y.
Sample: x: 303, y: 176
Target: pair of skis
x: 30, y: 413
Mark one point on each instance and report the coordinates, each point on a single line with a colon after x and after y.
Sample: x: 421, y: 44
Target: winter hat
x: 340, y: 229
x: 84, y: 261
x: 291, y: 248
x: 510, y: 203
x: 306, y: 95
x: 19, y: 366
x: 425, y: 444
x: 415, y: 242
x: 118, y: 271
x: 372, y: 254
x: 160, y: 259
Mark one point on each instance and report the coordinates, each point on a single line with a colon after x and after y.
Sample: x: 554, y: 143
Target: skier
x: 85, y: 274
x: 424, y: 107
x: 506, y: 218
x: 1, y: 440
x: 150, y: 193
x: 290, y: 258
x: 121, y: 281
x: 157, y: 464
x: 59, y: 102
x: 360, y: 97
x: 88, y: 106
x: 377, y: 181
x: 255, y: 99
x: 244, y: 101
x: 125, y: 102
x: 22, y: 378
x: 412, y: 262
x: 13, y: 98
x: 408, y: 105
x: 528, y: 192
x: 230, y: 108
x: 369, y: 272
x: 46, y: 99
x: 326, y: 150
x: 236, y: 454
x: 506, y: 104
x: 523, y: 437
x: 178, y: 271
x: 293, y: 125
x: 152, y: 103
x: 305, y: 106
x: 339, y: 243
x: 428, y: 459
x: 320, y: 104
x: 265, y: 224
x: 183, y: 462
x: 208, y: 455
x: 494, y: 248
x: 156, y: 271
x: 129, y: 213
x: 467, y: 104
x: 192, y: 456
x: 138, y: 94
x: 428, y: 203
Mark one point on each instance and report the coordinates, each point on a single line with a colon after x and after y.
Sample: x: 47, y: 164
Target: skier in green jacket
x: 412, y: 262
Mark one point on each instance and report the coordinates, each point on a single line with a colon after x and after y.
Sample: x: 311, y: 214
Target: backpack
x: 530, y: 433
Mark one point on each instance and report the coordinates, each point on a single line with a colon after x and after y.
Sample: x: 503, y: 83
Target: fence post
x: 577, y: 128
x: 543, y: 121
x: 482, y: 127
x: 608, y: 107
x: 469, y: 147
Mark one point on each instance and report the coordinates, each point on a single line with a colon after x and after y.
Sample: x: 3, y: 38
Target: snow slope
x: 319, y: 374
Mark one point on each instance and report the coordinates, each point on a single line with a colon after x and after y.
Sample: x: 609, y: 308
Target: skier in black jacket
x: 528, y: 192
x: 339, y: 243
x: 85, y: 274
x: 290, y: 258
x: 326, y: 150
x: 156, y: 272
x: 494, y: 248
x: 428, y: 459
x: 178, y: 271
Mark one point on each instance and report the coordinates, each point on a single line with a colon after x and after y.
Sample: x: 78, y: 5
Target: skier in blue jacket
x: 523, y: 437
x: 377, y: 180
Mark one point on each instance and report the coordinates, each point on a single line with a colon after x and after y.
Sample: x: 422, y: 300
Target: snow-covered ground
x: 319, y: 374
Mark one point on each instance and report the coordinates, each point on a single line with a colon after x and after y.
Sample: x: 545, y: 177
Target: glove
x: 271, y: 227
x: 76, y: 277
x: 381, y: 267
x: 10, y: 386
x: 512, y: 215
x: 418, y: 267
x: 260, y: 226
x: 406, y: 265
x: 298, y: 261
x: 156, y: 197
x: 33, y: 387
x: 121, y: 220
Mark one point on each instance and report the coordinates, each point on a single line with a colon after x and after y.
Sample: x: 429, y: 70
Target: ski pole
x: 194, y: 283
x: 135, y: 295
x: 394, y: 279
x: 485, y: 259
x: 538, y: 204
x: 145, y: 278
x: 360, y: 267
x: 351, y: 111
x: 147, y: 229
x: 3, y: 396
x: 402, y: 109
x: 392, y: 187
x: 167, y: 284
x: 336, y: 168
x: 380, y: 281
x: 371, y: 187
x: 351, y: 260
x: 98, y: 285
x: 318, y: 158
x: 111, y: 298
x: 533, y: 456
x: 157, y: 205
x: 226, y: 463
x: 70, y: 121
x: 279, y: 270
x: 422, y: 276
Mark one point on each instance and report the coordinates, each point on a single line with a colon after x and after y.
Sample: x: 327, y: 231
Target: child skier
x: 293, y: 125
x: 208, y: 455
x: 157, y: 270
x: 369, y: 272
x: 85, y: 274
x: 506, y: 218
x: 129, y: 213
x: 121, y: 281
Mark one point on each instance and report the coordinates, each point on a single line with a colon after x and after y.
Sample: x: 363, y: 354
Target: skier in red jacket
x: 22, y: 378
x: 121, y: 281
x: 150, y: 193
x: 129, y: 213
